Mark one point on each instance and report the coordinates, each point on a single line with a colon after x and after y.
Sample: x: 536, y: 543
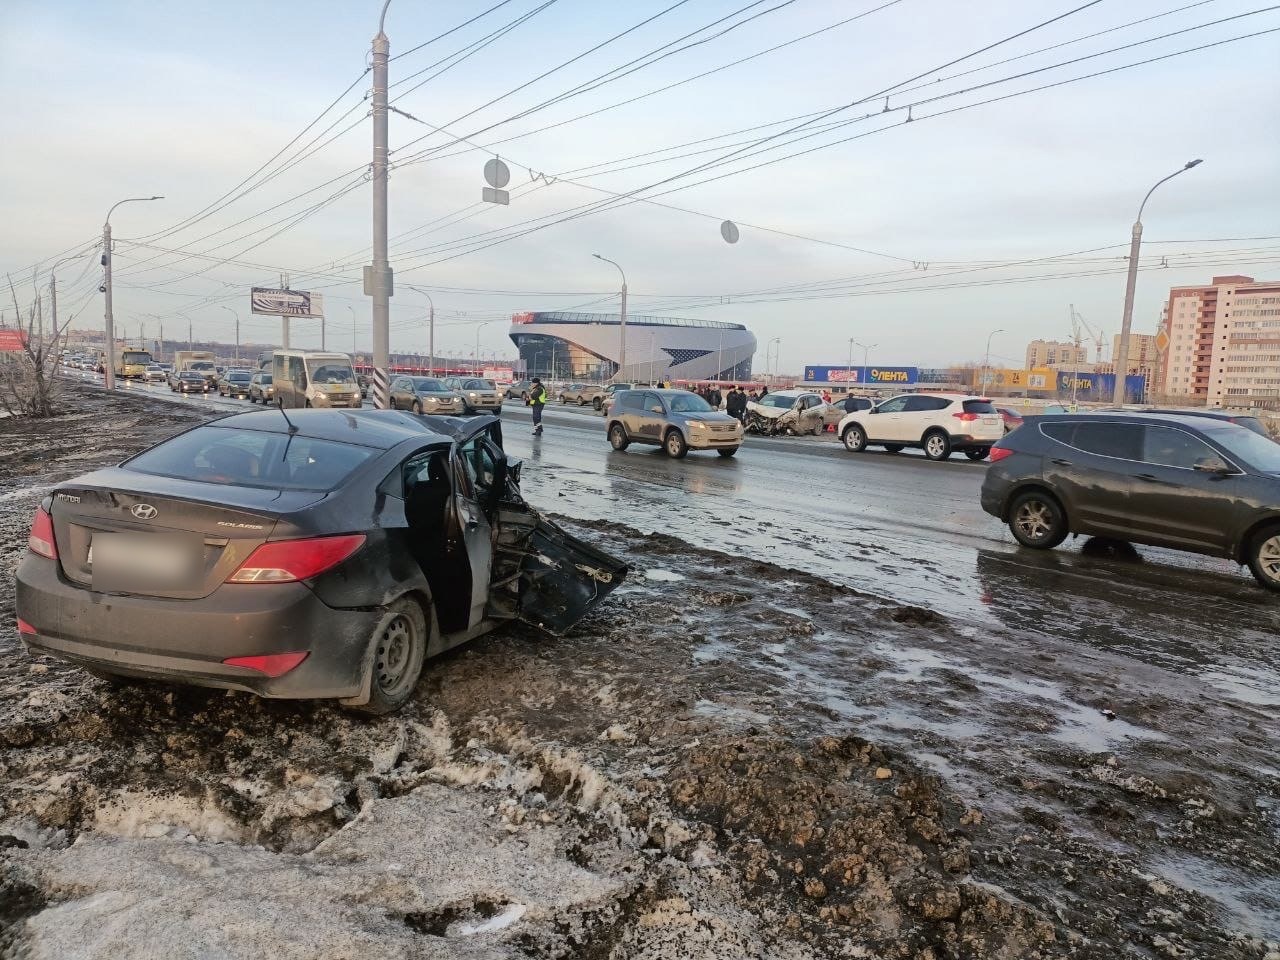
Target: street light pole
x: 848, y: 370
x: 355, y: 330
x: 476, y: 358
x: 378, y: 276
x: 109, y: 368
x: 866, y: 352
x: 237, y: 316
x: 53, y: 300
x: 986, y: 359
x: 777, y: 353
x: 1131, y: 283
x: 622, y: 326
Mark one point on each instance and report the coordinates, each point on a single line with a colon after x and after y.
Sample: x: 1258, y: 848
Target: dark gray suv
x: 1183, y: 482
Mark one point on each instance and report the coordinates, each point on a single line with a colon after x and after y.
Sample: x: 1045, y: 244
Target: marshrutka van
x: 306, y: 378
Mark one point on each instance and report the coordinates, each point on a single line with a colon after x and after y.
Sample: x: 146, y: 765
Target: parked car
x: 938, y: 423
x: 1012, y: 418
x: 235, y: 383
x: 261, y: 389
x: 518, y: 390
x: 833, y: 413
x: 676, y: 420
x: 1167, y: 480
x: 317, y: 554
x: 478, y: 394
x: 155, y: 373
x: 602, y: 397
x: 425, y: 395
x: 579, y: 393
x: 790, y: 412
x: 188, y: 381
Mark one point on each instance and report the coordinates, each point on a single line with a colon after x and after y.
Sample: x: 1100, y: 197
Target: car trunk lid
x: 119, y: 531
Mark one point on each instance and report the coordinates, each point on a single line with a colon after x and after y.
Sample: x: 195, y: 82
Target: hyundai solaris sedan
x: 315, y: 554
x: 1184, y: 482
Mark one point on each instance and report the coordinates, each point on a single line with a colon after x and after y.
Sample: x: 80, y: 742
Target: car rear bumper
x: 185, y: 641
x: 970, y: 441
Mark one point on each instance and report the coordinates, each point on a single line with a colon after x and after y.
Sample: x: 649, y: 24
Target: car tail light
x: 26, y: 628
x: 966, y: 417
x: 999, y: 453
x: 270, y: 664
x: 285, y: 561
x: 41, y: 541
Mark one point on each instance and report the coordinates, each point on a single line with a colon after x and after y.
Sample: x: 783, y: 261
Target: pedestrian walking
x: 736, y: 404
x: 537, y: 400
x: 716, y: 397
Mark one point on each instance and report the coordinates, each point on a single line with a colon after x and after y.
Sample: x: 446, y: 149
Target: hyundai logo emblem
x: 144, y: 511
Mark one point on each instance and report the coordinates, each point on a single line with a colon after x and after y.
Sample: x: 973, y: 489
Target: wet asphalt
x: 906, y: 529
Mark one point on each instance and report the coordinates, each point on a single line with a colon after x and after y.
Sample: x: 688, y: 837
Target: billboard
x: 1008, y: 379
x: 1101, y: 387
x: 863, y: 376
x: 12, y: 341
x: 286, y: 303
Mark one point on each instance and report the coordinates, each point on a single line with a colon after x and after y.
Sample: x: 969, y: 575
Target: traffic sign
x: 1162, y: 340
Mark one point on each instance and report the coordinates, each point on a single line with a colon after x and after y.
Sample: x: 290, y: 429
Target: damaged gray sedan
x: 316, y: 554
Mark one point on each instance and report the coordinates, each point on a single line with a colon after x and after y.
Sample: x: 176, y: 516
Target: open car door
x: 540, y: 574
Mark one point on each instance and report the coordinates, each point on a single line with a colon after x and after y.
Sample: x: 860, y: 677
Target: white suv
x: 938, y: 423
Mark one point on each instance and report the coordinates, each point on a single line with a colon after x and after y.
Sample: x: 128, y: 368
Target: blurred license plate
x: 992, y: 420
x: 123, y: 561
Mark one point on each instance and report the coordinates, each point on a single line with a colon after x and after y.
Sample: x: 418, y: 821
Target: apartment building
x: 1054, y: 353
x: 1224, y: 343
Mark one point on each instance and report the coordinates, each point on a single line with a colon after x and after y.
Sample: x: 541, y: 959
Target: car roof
x: 796, y: 392
x: 1127, y: 416
x: 380, y: 429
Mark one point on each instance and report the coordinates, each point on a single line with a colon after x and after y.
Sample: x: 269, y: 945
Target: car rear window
x: 252, y: 458
x: 979, y: 406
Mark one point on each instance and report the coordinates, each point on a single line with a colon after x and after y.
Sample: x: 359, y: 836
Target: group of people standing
x: 734, y: 401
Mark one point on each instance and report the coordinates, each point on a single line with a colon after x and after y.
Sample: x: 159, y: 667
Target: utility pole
x: 622, y: 325
x: 848, y: 371
x: 986, y: 360
x: 355, y: 331
x: 109, y: 367
x: 476, y: 359
x: 237, y: 316
x: 284, y: 317
x: 378, y: 279
x: 191, y: 344
x: 321, y: 335
x: 1131, y: 283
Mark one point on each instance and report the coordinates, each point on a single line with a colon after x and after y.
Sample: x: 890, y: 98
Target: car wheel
x: 597, y: 403
x: 563, y: 399
x: 1036, y: 520
x: 399, y: 648
x: 937, y: 445
x: 618, y: 437
x: 977, y: 453
x: 417, y: 408
x: 582, y: 401
x: 674, y: 444
x: 820, y: 429
x: 1264, y: 557
x: 727, y: 451
x: 855, y: 438
x: 893, y: 448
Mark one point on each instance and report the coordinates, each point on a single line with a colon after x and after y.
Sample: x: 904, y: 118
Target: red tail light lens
x: 999, y: 453
x: 26, y: 628
x: 270, y: 664
x: 966, y: 417
x: 285, y: 561
x: 41, y: 540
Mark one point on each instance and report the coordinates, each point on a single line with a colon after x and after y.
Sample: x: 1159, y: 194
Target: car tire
x: 417, y: 408
x: 854, y: 438
x: 937, y: 445
x: 674, y: 444
x: 398, y: 648
x: 727, y: 451
x: 1037, y: 520
x: 618, y: 437
x: 893, y: 448
x: 977, y: 453
x: 1264, y: 557
x: 582, y: 401
x: 597, y: 403
x: 563, y: 399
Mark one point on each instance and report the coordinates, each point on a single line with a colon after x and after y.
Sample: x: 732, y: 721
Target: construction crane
x: 1079, y: 323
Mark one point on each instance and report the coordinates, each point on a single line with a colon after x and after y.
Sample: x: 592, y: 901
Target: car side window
x: 921, y: 404
x: 1170, y: 447
x: 653, y: 404
x: 1122, y: 441
x: 896, y: 405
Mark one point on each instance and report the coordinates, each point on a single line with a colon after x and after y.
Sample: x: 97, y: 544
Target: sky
x: 918, y: 235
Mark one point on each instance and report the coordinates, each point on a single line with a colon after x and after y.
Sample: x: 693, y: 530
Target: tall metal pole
x: 476, y: 357
x: 848, y: 370
x: 622, y: 325
x: 431, y: 334
x: 109, y: 367
x: 284, y: 317
x: 1131, y: 284
x: 866, y: 362
x: 355, y: 330
x: 378, y: 277
x: 986, y: 359
x: 237, y: 316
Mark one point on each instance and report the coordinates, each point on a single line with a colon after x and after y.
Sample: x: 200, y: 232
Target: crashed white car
x: 789, y: 412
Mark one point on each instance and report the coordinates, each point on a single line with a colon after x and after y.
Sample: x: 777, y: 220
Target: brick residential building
x: 1224, y: 343
x: 1054, y: 353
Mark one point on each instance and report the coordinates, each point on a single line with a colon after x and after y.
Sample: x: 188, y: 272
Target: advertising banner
x: 872, y: 376
x: 1101, y: 387
x: 12, y: 341
x: 286, y: 303
x: 1009, y: 379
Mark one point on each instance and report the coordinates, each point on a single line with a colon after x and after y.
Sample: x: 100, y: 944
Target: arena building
x: 587, y: 346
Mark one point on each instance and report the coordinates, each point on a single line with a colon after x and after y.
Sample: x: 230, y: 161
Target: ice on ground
x: 663, y: 576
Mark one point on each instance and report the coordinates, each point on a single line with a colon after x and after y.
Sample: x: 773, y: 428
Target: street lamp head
x: 1192, y: 163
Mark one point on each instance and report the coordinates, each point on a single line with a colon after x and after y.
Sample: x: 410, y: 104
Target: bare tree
x: 29, y: 376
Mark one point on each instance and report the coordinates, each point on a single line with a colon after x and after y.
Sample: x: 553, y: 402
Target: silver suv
x: 676, y: 420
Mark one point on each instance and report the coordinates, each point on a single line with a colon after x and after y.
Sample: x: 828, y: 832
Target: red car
x: 1012, y: 419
